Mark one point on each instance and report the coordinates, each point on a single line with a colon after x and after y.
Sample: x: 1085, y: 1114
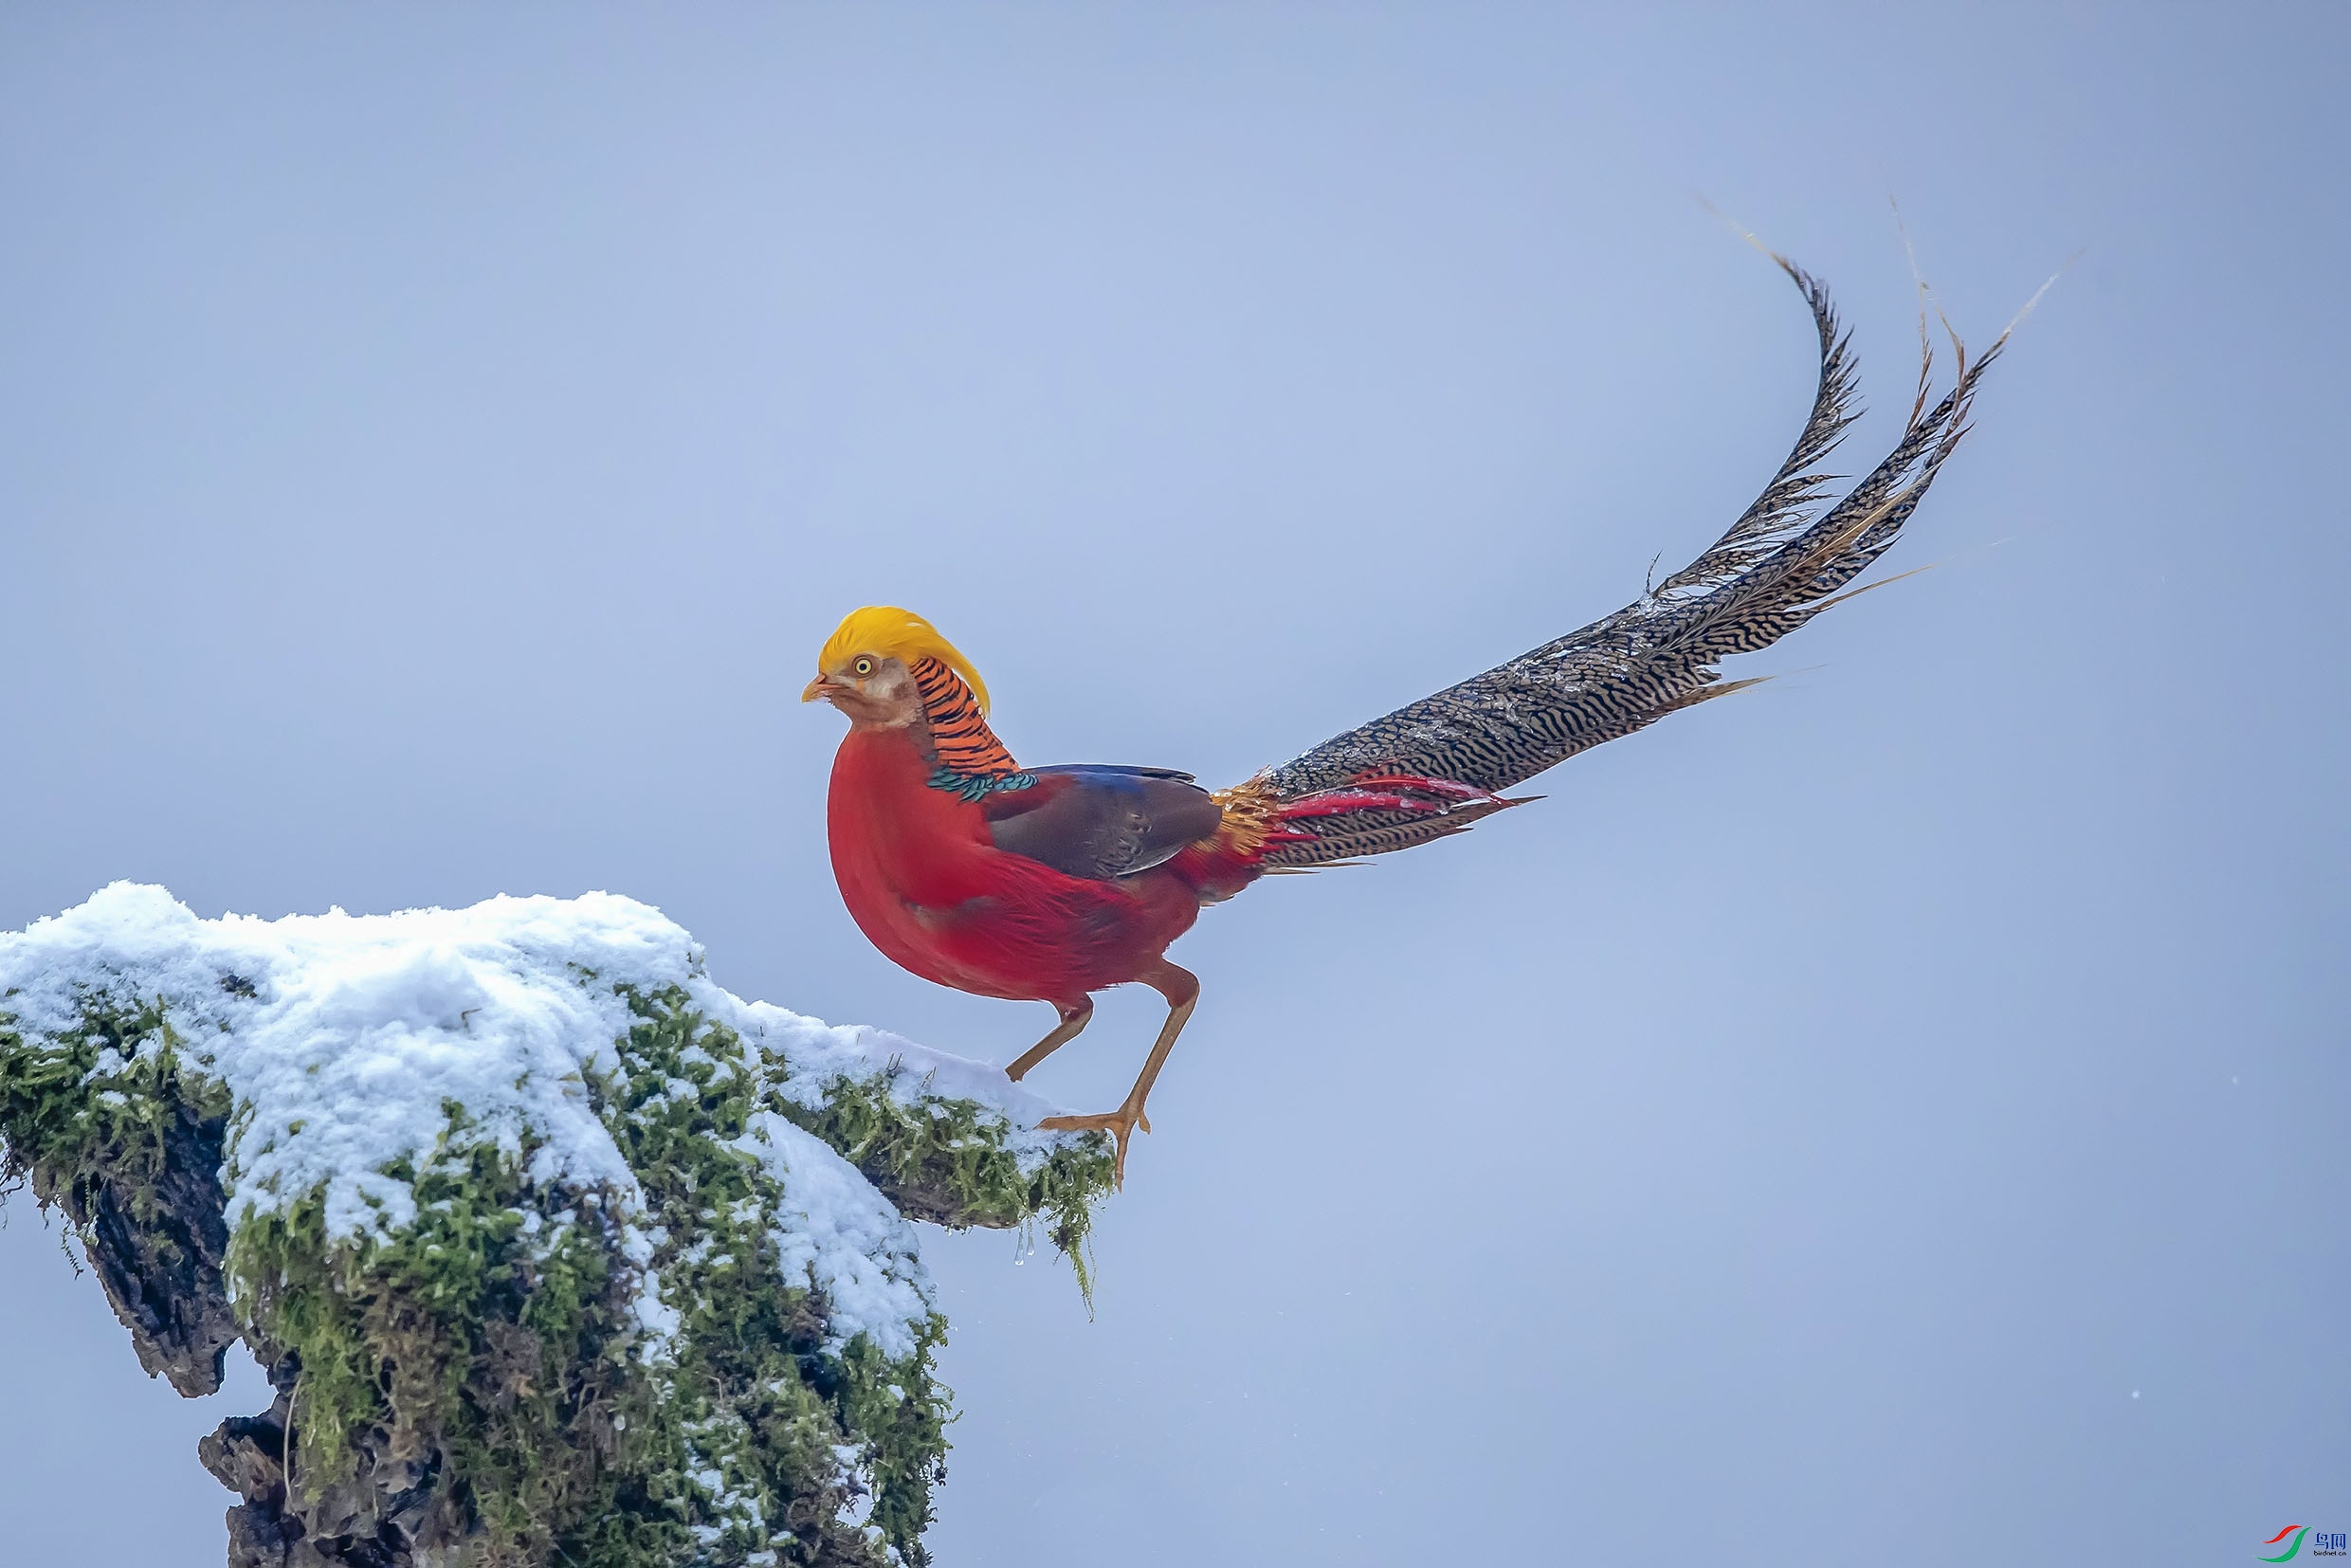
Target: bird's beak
x: 819, y: 690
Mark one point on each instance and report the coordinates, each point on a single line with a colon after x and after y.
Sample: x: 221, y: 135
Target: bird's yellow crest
x: 900, y: 634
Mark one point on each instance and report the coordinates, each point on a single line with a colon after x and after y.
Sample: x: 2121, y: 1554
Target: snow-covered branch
x: 550, y: 1243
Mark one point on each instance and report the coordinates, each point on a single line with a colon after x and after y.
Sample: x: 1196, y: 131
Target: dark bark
x: 159, y: 1255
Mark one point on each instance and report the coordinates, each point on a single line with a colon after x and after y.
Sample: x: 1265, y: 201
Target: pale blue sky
x: 434, y: 441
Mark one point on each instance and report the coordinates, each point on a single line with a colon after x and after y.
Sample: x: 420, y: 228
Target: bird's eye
x: 862, y: 666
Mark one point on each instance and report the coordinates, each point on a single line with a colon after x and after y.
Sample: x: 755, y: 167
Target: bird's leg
x: 1074, y: 1017
x: 1182, y: 990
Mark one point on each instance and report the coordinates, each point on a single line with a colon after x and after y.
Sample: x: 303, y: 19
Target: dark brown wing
x: 1101, y: 821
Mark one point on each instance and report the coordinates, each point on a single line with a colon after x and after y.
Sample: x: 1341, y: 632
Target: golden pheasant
x: 1051, y: 884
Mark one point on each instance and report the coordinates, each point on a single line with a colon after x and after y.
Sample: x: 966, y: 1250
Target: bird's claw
x: 1119, y: 1124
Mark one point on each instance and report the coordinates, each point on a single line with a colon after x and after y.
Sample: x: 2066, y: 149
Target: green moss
x: 98, y: 1103
x: 945, y: 1161
x: 491, y: 1330
x: 753, y: 1400
x: 491, y: 1341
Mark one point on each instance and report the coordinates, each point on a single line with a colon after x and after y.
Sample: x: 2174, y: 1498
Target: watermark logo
x: 2326, y: 1543
x: 2297, y: 1531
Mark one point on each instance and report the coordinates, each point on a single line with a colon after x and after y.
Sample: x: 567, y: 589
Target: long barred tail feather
x: 1433, y: 768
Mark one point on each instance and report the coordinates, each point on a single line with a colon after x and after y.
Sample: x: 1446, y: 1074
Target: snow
x: 819, y: 1052
x: 838, y: 1231
x: 343, y: 1038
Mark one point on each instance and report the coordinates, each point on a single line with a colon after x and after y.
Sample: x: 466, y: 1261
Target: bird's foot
x: 1119, y: 1124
